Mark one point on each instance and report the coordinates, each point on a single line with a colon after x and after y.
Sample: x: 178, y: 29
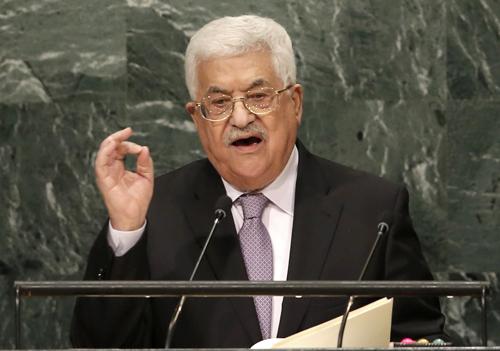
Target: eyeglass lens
x: 218, y: 106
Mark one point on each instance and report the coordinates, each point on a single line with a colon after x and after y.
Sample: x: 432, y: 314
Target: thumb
x: 145, y: 164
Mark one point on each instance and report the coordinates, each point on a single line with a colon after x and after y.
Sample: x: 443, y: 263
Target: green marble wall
x: 406, y: 89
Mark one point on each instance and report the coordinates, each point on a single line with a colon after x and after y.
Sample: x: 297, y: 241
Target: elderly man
x: 294, y: 216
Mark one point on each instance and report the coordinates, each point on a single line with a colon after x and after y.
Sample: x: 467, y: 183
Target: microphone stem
x: 367, y: 262
x: 216, y: 222
x: 343, y: 322
x: 180, y: 304
x: 173, y: 321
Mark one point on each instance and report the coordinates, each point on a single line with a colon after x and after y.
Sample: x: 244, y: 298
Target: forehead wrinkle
x: 255, y: 84
x: 258, y: 83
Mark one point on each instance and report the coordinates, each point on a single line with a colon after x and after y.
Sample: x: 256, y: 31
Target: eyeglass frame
x: 234, y: 100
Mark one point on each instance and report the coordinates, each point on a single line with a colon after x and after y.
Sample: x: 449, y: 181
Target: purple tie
x: 257, y: 252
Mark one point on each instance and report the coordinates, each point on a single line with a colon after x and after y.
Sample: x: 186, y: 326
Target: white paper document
x: 368, y: 326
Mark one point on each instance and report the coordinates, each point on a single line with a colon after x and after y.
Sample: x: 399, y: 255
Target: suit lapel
x: 316, y: 215
x: 223, y: 253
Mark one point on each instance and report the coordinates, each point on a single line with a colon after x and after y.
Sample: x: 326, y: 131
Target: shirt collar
x: 281, y: 191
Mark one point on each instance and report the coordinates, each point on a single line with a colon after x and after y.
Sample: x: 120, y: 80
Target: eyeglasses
x: 218, y: 107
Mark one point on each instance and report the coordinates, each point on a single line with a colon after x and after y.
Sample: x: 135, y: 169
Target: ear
x: 191, y: 109
x: 297, y: 98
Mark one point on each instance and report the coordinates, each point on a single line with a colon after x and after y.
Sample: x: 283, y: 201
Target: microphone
x: 222, y: 205
x: 382, y: 228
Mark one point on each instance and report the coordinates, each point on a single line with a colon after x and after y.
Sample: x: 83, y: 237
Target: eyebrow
x: 216, y: 89
x: 256, y: 83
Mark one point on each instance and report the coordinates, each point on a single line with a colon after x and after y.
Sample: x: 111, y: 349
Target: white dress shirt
x: 277, y: 218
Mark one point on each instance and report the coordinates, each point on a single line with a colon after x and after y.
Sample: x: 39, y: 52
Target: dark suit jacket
x: 335, y: 223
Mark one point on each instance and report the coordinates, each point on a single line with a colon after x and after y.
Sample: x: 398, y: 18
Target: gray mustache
x: 235, y: 133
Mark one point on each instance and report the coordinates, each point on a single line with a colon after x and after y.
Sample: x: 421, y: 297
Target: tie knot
x: 253, y: 205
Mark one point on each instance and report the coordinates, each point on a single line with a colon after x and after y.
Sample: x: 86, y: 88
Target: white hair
x: 233, y: 36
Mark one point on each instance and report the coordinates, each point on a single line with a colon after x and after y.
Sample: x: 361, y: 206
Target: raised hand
x: 126, y: 194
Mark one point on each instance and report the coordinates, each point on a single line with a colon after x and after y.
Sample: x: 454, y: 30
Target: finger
x: 127, y: 148
x: 104, y: 157
x: 118, y: 136
x: 105, y: 153
x: 114, y: 152
x: 145, y: 164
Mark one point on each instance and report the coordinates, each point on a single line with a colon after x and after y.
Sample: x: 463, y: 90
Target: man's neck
x: 281, y: 190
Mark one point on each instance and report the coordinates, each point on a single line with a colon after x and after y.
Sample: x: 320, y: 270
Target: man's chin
x: 249, y: 179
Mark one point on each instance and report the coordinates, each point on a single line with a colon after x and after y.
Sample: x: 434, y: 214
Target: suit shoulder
x: 362, y: 192
x: 181, y: 179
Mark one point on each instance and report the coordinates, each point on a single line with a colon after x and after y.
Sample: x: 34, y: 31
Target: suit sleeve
x: 113, y: 322
x: 413, y: 317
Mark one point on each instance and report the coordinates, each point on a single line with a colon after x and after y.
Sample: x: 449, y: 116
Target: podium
x: 207, y: 289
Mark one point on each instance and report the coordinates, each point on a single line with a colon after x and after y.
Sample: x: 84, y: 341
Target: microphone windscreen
x: 222, y: 205
x: 385, y: 222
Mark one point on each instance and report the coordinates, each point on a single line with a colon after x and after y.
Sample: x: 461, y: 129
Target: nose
x: 241, y: 117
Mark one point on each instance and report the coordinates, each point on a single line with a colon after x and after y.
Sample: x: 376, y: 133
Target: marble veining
x: 473, y: 49
x: 459, y: 309
x: 406, y: 89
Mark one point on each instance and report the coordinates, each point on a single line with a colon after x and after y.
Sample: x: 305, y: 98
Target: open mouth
x: 247, y: 141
